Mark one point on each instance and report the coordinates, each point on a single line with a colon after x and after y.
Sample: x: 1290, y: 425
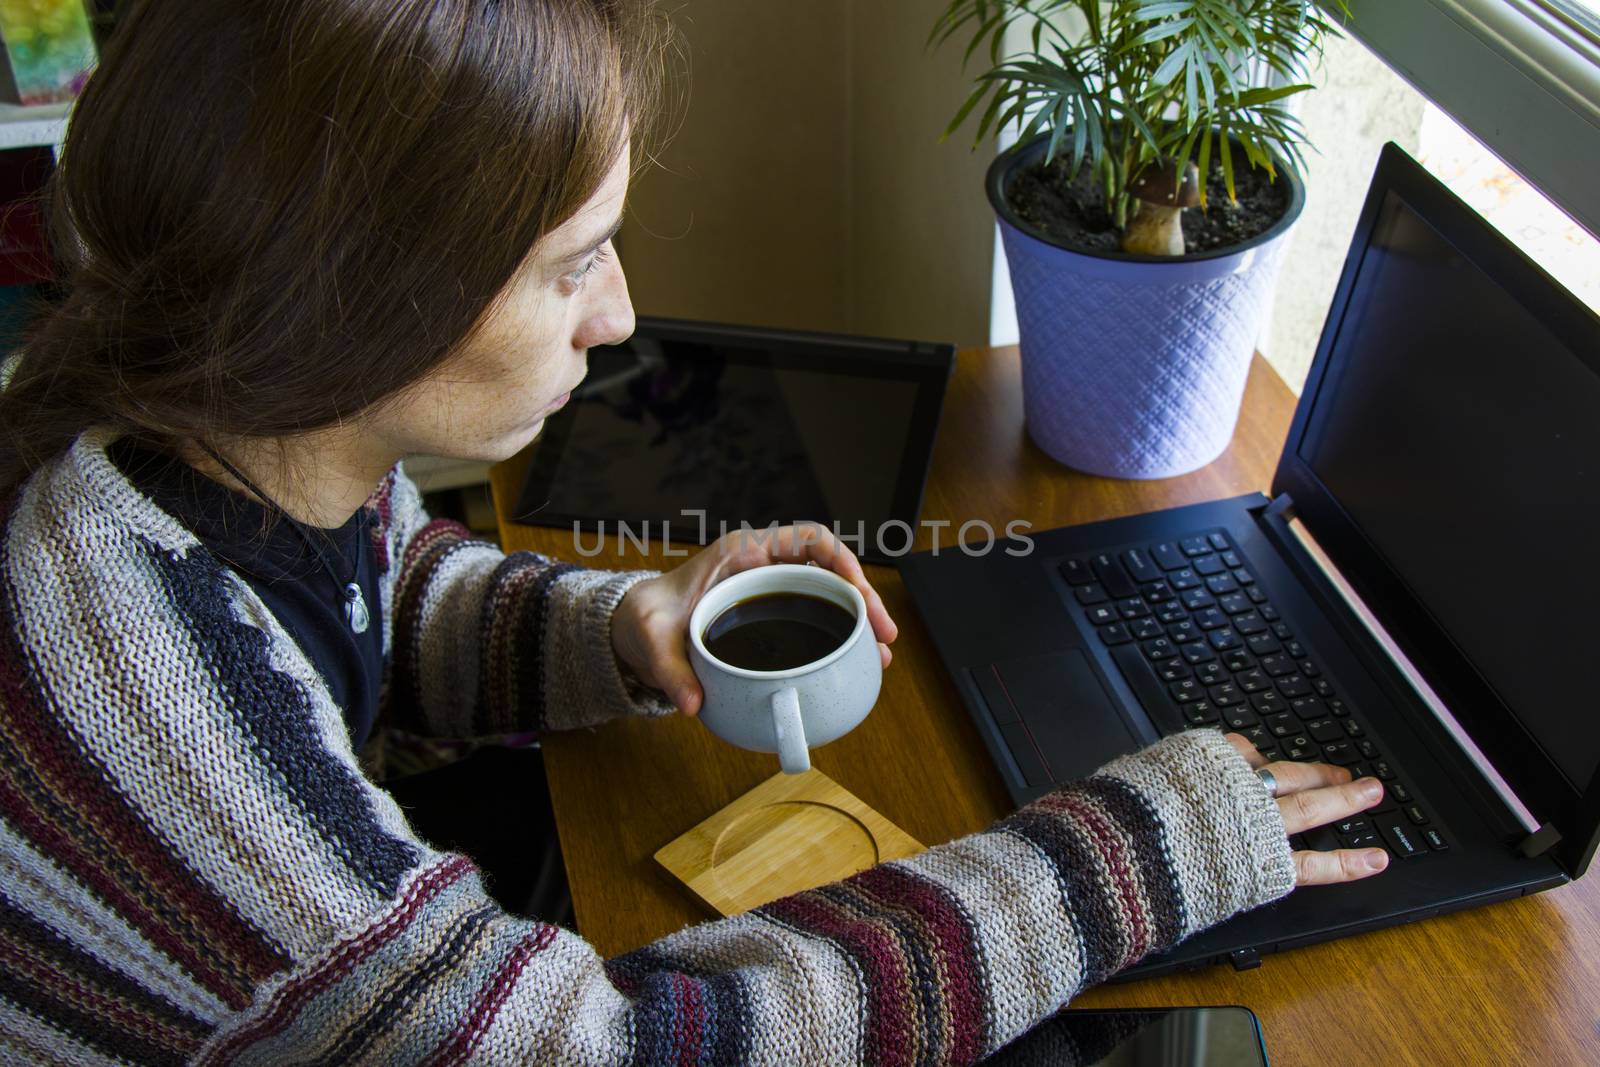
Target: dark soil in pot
x: 1074, y: 213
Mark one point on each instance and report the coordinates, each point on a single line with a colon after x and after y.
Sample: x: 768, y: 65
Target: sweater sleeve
x: 482, y: 642
x: 938, y: 959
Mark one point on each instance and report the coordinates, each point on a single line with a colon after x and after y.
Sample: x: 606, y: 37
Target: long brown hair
x: 272, y: 214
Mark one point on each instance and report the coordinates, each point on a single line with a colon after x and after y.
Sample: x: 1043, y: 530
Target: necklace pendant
x: 355, y: 609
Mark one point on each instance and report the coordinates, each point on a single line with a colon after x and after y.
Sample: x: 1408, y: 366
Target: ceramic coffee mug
x: 789, y: 711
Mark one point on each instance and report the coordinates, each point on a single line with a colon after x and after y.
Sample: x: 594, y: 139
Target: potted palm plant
x: 1143, y: 210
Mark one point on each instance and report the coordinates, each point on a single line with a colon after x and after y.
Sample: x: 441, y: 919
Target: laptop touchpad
x: 1055, y: 715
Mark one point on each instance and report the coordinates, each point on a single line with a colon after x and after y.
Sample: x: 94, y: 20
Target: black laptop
x: 1419, y: 598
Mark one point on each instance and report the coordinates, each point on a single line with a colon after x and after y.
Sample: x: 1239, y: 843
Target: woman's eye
x: 577, y: 277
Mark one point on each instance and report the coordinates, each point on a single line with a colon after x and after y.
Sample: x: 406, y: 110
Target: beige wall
x: 806, y: 187
x: 1358, y: 105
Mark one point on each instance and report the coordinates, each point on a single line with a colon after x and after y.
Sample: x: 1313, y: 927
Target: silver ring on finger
x: 1269, y: 780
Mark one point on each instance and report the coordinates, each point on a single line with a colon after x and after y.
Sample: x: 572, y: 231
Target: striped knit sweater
x: 193, y: 867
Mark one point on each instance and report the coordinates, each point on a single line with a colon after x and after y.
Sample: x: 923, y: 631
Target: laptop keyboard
x: 1198, y: 641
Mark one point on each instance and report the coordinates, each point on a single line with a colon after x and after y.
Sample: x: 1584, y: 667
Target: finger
x: 884, y: 654
x: 1315, y: 807
x: 673, y: 675
x: 1247, y: 750
x: 1340, y: 865
x: 1294, y: 777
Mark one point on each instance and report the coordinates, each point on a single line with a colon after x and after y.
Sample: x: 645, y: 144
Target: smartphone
x: 1192, y: 1037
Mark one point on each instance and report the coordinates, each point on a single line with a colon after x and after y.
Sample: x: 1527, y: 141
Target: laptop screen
x: 1461, y: 436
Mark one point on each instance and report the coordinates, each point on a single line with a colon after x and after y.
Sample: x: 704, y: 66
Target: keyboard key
x: 1208, y: 565
x: 1170, y: 612
x: 1140, y: 567
x: 1168, y: 557
x: 1211, y: 673
x: 1146, y: 628
x: 1294, y: 649
x: 1308, y: 707
x: 1194, y: 546
x: 1197, y: 652
x: 1159, y: 648
x: 1257, y: 596
x: 1284, y: 725
x: 1250, y: 624
x: 1386, y: 773
x: 1184, y: 579
x: 1076, y: 572
x: 1183, y: 632
x: 1186, y: 690
x: 1101, y: 614
x: 1132, y: 608
x: 1156, y: 592
x: 1218, y: 541
x: 1403, y: 840
x: 1269, y: 703
x: 1235, y: 604
x: 1356, y: 824
x: 1210, y: 619
x: 1225, y: 695
x: 1417, y: 815
x: 1322, y: 687
x: 1200, y: 712
x: 1269, y: 753
x: 1257, y: 735
x: 1243, y: 577
x: 1231, y: 559
x: 1337, y: 706
x: 1263, y: 644
x: 1367, y: 749
x: 1301, y: 749
x: 1294, y: 685
x: 1222, y: 583
x: 1340, y: 753
x: 1090, y: 594
x: 1434, y: 839
x: 1240, y: 717
x: 1115, y: 634
x: 1112, y: 576
x: 1224, y: 639
x: 1281, y: 631
x: 1277, y: 666
x: 1325, y: 730
x: 1252, y: 681
x: 1365, y: 839
x: 1171, y: 670
x: 1237, y: 660
x: 1401, y: 794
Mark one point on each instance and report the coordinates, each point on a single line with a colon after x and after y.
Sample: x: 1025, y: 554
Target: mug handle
x: 793, y: 754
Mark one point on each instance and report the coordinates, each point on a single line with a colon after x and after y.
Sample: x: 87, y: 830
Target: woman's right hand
x: 1315, y: 794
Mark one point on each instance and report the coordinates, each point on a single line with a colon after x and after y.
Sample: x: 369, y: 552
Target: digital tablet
x: 689, y: 429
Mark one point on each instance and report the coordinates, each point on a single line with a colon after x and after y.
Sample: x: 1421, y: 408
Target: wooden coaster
x: 791, y: 832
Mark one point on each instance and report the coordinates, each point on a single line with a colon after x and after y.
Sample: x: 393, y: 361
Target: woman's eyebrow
x: 596, y: 243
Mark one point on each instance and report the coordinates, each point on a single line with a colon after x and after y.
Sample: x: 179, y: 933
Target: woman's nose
x: 609, y: 318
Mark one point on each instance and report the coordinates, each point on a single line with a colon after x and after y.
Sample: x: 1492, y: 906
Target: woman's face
x: 491, y: 398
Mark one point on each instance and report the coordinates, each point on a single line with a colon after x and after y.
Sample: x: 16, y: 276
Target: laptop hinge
x: 1539, y: 842
x: 1538, y: 835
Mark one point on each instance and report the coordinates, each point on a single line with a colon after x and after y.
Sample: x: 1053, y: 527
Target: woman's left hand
x: 650, y: 628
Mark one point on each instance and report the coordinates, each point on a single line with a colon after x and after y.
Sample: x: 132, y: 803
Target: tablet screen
x: 706, y: 428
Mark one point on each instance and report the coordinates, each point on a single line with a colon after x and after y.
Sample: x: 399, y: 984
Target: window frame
x: 1522, y: 75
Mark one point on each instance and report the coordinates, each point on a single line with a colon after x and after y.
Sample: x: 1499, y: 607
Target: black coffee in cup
x: 778, y: 631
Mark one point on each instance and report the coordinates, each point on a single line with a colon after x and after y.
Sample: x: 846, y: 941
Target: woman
x: 304, y: 239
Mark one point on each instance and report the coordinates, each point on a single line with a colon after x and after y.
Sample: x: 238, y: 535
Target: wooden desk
x: 1517, y: 982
